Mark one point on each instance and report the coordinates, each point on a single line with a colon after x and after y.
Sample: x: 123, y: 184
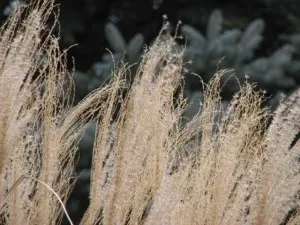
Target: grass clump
x: 148, y: 166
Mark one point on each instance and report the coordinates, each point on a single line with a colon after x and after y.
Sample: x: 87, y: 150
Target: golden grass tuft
x: 149, y: 167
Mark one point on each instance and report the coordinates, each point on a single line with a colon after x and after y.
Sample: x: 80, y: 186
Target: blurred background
x: 258, y: 39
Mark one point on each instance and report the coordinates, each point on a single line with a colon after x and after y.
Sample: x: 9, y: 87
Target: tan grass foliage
x: 149, y: 167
